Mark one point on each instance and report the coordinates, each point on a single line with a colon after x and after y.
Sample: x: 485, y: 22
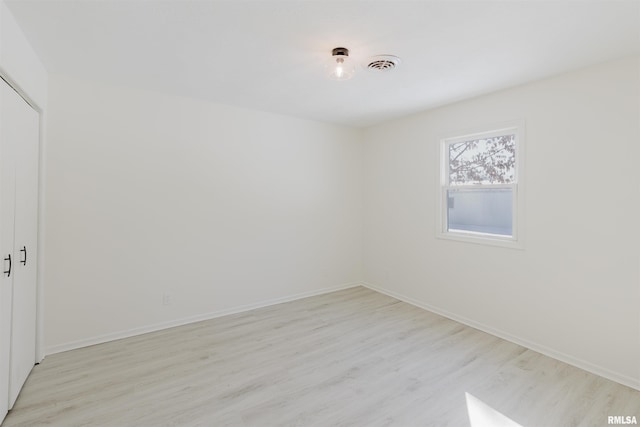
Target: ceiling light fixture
x: 340, y: 67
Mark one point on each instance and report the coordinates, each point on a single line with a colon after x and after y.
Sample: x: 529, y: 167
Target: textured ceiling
x: 270, y: 55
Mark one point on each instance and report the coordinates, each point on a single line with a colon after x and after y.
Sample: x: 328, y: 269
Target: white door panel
x: 19, y: 133
x: 23, y: 330
x: 7, y: 198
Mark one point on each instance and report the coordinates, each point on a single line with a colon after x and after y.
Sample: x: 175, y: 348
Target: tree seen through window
x: 483, y: 161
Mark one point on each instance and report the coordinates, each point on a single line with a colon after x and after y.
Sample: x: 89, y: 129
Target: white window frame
x: 516, y: 240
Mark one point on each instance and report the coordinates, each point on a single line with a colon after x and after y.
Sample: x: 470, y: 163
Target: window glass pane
x: 483, y: 161
x: 481, y: 210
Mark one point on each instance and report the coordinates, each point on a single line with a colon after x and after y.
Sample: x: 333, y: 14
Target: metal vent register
x: 382, y: 63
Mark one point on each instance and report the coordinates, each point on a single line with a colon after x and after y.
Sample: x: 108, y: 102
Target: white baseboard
x: 579, y: 363
x: 191, y: 319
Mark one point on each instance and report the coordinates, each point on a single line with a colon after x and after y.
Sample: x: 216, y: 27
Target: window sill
x: 482, y: 239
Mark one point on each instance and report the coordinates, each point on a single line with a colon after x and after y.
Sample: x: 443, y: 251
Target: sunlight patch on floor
x: 483, y: 415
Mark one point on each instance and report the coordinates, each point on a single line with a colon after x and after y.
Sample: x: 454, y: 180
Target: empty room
x: 319, y: 213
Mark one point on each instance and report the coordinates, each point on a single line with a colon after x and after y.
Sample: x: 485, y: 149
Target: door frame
x: 40, y: 349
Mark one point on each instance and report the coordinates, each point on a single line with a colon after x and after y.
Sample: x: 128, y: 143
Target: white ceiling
x: 270, y: 55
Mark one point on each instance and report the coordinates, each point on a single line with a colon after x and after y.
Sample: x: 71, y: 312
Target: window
x: 479, y: 191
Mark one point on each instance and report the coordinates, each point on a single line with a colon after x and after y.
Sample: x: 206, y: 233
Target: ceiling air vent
x: 382, y: 63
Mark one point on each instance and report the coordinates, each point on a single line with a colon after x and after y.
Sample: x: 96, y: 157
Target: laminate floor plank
x: 349, y: 358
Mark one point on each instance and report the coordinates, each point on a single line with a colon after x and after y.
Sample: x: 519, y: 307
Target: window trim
x: 516, y: 240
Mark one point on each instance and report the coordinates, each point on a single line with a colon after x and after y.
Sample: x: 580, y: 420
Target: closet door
x: 7, y: 198
x: 24, y: 297
x: 19, y: 141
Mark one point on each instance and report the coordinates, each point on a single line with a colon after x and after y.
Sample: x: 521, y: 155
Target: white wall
x: 221, y: 207
x: 574, y: 291
x: 18, y: 62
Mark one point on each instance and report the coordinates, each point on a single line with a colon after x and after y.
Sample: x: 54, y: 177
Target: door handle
x: 24, y: 261
x: 8, y: 272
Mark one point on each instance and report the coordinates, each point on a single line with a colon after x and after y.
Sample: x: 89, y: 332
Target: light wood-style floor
x: 349, y: 358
